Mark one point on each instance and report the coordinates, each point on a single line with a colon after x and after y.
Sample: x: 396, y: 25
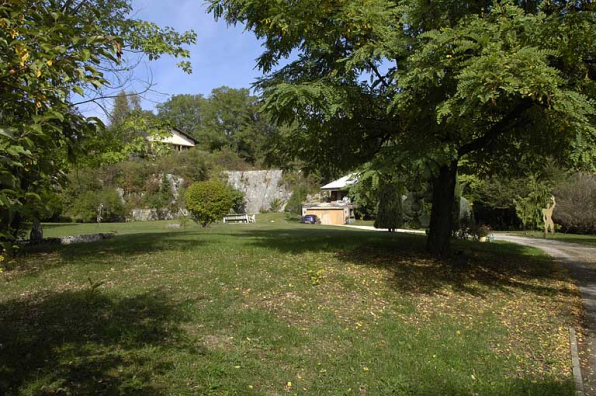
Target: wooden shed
x: 330, y: 213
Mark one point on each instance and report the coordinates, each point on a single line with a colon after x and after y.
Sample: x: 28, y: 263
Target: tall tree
x: 389, y: 212
x: 50, y: 50
x: 121, y: 109
x: 228, y: 118
x: 500, y: 84
x: 184, y: 112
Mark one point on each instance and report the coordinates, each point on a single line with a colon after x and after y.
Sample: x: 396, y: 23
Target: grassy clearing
x: 589, y: 240
x: 280, y: 308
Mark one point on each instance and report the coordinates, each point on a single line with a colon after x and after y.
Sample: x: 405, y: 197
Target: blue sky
x: 222, y: 55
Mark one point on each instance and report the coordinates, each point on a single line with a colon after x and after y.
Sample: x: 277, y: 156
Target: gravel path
x: 581, y: 261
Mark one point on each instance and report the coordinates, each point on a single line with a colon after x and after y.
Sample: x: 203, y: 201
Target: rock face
x: 176, y: 183
x: 153, y: 214
x: 261, y: 189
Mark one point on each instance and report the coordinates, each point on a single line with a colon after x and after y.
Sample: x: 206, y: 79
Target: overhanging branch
x: 496, y: 130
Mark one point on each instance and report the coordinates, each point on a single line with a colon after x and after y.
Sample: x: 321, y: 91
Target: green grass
x: 370, y: 223
x: 589, y: 240
x: 278, y: 308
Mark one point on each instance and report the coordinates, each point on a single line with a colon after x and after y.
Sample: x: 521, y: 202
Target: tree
x: 500, y: 85
x: 184, y: 112
x: 121, y: 109
x: 208, y: 201
x: 228, y: 119
x: 389, y: 212
x: 50, y: 51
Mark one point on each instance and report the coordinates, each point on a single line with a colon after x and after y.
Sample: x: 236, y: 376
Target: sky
x: 222, y: 55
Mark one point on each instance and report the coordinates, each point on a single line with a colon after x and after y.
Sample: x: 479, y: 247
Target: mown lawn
x: 589, y: 240
x: 279, y: 308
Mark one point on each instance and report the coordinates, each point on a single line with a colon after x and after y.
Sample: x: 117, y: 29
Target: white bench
x: 239, y: 218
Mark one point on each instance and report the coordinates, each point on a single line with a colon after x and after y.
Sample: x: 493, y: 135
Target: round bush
x: 208, y: 201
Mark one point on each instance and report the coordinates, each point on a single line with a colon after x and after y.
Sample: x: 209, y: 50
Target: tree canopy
x: 52, y: 52
x: 228, y: 119
x: 502, y: 85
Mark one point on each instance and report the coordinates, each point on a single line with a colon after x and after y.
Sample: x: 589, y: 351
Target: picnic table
x: 239, y: 218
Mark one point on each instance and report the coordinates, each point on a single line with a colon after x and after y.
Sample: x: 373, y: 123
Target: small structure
x: 339, y: 188
x: 338, y: 212
x: 178, y: 139
x: 338, y: 209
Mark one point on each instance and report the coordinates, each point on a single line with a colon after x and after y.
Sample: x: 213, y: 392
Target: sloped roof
x: 343, y: 183
x: 186, y: 135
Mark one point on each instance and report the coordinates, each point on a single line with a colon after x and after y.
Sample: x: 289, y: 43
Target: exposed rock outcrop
x: 261, y: 189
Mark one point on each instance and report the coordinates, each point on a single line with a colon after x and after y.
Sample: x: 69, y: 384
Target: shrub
x: 229, y: 160
x: 238, y: 202
x: 208, y: 201
x: 86, y: 206
x: 276, y: 205
x: 576, y: 204
x: 192, y: 165
x: 52, y: 207
x: 160, y: 196
x: 390, y: 213
x: 295, y: 202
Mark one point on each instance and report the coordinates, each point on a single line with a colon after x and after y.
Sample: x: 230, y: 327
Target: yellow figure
x: 547, y: 216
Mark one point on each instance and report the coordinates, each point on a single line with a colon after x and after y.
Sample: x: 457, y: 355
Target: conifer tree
x: 389, y: 212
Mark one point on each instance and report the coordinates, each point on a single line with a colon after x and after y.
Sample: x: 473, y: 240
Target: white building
x: 178, y: 139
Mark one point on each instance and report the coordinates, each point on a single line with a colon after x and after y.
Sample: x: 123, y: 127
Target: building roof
x: 341, y: 184
x: 186, y: 135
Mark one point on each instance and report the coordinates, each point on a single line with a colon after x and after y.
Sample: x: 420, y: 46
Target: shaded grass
x: 589, y: 240
x: 276, y: 308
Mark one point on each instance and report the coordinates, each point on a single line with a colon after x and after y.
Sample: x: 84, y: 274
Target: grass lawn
x: 370, y: 223
x: 589, y: 240
x: 277, y: 308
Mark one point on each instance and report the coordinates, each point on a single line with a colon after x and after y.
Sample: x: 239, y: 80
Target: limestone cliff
x: 260, y: 189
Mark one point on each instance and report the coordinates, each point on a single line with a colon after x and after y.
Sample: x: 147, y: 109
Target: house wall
x: 177, y: 139
x: 328, y: 216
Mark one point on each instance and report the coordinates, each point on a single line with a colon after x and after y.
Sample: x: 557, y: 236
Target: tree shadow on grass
x: 504, y: 267
x: 43, y: 257
x: 86, y: 343
x: 473, y: 267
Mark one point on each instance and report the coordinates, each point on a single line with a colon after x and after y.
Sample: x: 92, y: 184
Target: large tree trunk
x: 441, y: 218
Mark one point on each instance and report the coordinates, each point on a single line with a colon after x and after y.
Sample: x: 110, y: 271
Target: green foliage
x: 502, y: 85
x: 365, y: 195
x: 208, y: 201
x: 229, y: 160
x: 229, y: 119
x: 192, y: 165
x: 160, y: 196
x: 500, y: 201
x: 389, y: 213
x: 275, y: 205
x: 529, y: 208
x: 52, y: 209
x: 184, y: 112
x: 86, y: 207
x: 137, y: 134
x: 298, y: 196
x: 238, y: 201
x: 50, y: 53
x: 315, y: 277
